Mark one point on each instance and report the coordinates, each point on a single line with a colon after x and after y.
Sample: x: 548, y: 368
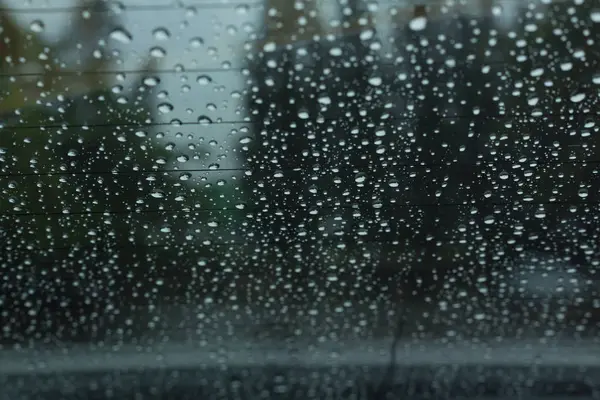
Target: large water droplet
x: 540, y: 213
x: 204, y: 80
x: 196, y: 42
x: 151, y: 80
x: 577, y: 97
x: 158, y: 52
x: 269, y: 47
x: 161, y: 34
x: 157, y: 194
x: 375, y: 81
x: 165, y: 108
x: 303, y: 114
x: 121, y: 35
x: 418, y: 23
x: 204, y: 120
x: 37, y: 26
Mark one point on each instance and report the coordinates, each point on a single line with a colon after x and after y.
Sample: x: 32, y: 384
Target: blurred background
x: 298, y: 171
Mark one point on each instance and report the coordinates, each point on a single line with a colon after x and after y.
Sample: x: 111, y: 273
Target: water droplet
x: 537, y: 72
x: 182, y: 158
x: 324, y: 99
x: 196, y: 42
x: 158, y: 52
x: 335, y: 51
x: 595, y: 16
x: 165, y: 108
x: 204, y: 80
x: 204, y: 120
x: 360, y: 177
x: 121, y: 35
x: 533, y: 100
x: 583, y: 193
x: 375, y: 81
x: 418, y: 23
x: 157, y: 194
x: 269, y: 47
x: 161, y: 34
x: 489, y: 220
x: 151, y: 80
x: 540, y: 214
x: 577, y: 97
x: 37, y: 26
x: 303, y: 114
x: 367, y: 34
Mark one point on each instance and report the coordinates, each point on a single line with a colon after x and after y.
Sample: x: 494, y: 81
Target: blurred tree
x: 80, y: 215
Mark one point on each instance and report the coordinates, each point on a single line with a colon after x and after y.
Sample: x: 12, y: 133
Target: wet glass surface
x: 298, y: 173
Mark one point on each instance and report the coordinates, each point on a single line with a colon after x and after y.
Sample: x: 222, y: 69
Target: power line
x: 299, y: 168
x: 235, y: 122
x: 211, y: 4
x: 189, y: 210
x: 132, y: 7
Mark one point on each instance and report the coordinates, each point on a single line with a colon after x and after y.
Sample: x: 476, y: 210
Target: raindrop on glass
x: 37, y: 26
x: 121, y: 35
x: 161, y: 34
x: 418, y: 23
